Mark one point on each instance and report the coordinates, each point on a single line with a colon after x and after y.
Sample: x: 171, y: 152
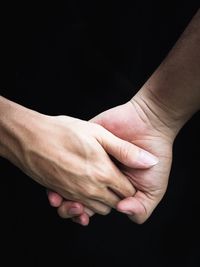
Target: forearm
x: 13, y: 129
x: 175, y: 86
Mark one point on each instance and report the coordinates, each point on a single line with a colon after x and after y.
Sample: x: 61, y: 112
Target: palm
x: 128, y: 122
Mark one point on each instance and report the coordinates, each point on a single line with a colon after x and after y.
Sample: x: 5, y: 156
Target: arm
x: 152, y: 120
x: 173, y: 91
x: 68, y: 155
x: 166, y: 102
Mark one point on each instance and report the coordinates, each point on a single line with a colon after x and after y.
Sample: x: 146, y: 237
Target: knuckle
x: 105, y: 211
x: 97, y: 130
x: 62, y: 213
x: 105, y: 177
x: 125, y: 189
x: 109, y: 200
x: 125, y: 151
x: 89, y: 211
x: 130, y: 190
x: 91, y: 192
x: 98, y: 207
x: 100, y: 174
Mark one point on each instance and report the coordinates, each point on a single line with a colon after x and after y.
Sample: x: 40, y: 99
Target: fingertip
x: 83, y: 219
x: 146, y: 159
x: 126, y: 206
x: 55, y: 199
x: 134, y: 209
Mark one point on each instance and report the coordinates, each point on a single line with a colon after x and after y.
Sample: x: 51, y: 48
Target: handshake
x: 120, y: 159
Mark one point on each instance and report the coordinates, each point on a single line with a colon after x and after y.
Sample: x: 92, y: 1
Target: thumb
x: 126, y: 152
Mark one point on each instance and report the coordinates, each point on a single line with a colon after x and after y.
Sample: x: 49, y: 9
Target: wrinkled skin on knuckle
x: 104, y: 175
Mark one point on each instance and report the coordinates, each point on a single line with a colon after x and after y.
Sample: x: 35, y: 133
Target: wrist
x: 163, y: 118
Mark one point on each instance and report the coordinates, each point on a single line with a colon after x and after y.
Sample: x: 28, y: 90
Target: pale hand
x: 68, y: 155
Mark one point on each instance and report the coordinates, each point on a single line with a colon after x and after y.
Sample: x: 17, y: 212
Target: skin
x: 69, y: 156
x: 152, y: 120
x: 151, y: 184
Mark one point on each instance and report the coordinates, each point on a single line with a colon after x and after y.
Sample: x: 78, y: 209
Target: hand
x: 70, y: 156
x: 135, y: 122
x: 159, y: 110
x: 66, y: 155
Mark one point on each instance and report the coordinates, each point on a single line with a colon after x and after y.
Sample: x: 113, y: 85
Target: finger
x: 89, y: 212
x: 83, y: 219
x: 97, y: 202
x: 54, y: 198
x: 70, y: 209
x: 97, y: 207
x: 125, y: 152
x: 106, y: 198
x: 119, y: 183
x: 139, y: 207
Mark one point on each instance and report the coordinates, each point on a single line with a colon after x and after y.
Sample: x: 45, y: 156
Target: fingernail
x: 147, y: 158
x: 74, y: 211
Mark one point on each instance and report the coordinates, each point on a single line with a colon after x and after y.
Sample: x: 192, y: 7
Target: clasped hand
x: 135, y: 123
x: 72, y: 157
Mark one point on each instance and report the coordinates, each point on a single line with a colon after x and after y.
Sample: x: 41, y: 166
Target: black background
x: 78, y: 59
